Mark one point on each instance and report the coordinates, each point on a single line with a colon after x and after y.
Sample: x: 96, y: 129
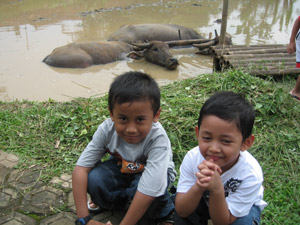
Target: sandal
x: 296, y: 97
x: 97, y: 209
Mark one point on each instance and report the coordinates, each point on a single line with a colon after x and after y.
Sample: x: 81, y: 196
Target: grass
x: 52, y: 134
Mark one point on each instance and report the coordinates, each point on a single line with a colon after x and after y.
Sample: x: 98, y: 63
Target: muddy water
x: 31, y: 29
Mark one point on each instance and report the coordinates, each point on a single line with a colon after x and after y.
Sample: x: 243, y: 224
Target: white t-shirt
x: 242, y: 183
x: 154, y: 151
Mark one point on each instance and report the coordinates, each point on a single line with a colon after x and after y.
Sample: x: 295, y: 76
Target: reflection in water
x: 30, y: 30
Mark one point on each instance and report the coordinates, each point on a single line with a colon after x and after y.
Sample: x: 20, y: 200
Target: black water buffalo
x: 81, y: 55
x: 149, y: 32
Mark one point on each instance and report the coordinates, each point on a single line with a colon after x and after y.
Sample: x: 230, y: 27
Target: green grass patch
x: 53, y: 135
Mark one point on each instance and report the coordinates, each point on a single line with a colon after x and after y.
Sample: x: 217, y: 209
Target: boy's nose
x: 215, y: 147
x: 130, y: 128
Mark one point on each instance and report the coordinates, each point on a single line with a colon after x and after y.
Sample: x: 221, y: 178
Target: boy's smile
x: 221, y: 141
x: 133, y: 120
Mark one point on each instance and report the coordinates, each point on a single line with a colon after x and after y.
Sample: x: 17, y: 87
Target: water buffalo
x: 149, y: 32
x: 81, y: 55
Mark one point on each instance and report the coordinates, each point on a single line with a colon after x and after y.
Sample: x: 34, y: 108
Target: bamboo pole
x: 249, y: 46
x: 280, y: 72
x: 259, y: 60
x: 254, y: 67
x: 289, y: 63
x: 217, y: 51
x: 257, y: 51
x: 255, y: 59
x: 258, y: 56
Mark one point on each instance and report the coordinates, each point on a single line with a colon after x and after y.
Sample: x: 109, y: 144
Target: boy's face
x: 133, y: 120
x: 221, y: 141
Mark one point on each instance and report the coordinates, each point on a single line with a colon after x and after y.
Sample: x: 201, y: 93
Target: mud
x: 31, y: 29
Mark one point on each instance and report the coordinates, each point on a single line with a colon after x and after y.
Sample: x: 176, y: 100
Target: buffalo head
x: 156, y: 52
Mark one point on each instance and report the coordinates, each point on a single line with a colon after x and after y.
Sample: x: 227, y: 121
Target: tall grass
x: 52, y: 134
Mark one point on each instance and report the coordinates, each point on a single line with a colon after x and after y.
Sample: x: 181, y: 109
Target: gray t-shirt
x: 154, y: 151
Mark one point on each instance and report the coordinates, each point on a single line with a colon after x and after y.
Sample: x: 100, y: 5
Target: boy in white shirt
x: 219, y: 179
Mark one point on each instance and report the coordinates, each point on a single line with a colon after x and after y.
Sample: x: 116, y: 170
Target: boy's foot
x: 294, y: 95
x: 93, y: 208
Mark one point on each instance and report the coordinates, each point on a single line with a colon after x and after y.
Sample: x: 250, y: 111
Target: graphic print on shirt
x: 131, y: 167
x: 231, y: 186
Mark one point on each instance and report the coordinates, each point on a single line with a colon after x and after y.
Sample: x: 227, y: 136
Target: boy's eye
x: 122, y: 118
x: 226, y: 141
x: 206, y: 138
x: 140, y: 119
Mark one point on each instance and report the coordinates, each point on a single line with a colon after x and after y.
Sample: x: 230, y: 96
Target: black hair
x: 134, y: 86
x: 230, y: 106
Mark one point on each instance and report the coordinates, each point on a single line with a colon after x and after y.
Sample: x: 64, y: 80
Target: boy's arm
x: 209, y: 178
x: 79, y: 184
x: 292, y: 45
x: 218, y: 208
x: 186, y: 203
x: 137, y: 209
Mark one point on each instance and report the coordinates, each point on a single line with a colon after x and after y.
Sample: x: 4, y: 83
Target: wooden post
x: 224, y: 22
x: 179, y: 35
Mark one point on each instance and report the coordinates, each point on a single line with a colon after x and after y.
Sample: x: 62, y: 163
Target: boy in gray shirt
x: 141, y: 166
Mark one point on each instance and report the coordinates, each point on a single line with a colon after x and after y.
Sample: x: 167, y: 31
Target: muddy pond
x: 31, y: 29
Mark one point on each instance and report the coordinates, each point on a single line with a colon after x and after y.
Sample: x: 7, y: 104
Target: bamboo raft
x: 258, y: 60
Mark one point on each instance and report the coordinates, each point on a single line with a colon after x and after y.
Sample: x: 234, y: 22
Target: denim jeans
x: 111, y: 189
x: 201, y: 216
x: 253, y: 217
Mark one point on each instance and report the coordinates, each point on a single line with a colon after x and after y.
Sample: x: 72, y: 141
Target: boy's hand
x: 208, y: 175
x: 291, y: 48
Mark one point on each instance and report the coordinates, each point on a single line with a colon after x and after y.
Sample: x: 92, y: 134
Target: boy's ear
x: 197, y: 131
x: 111, y: 115
x: 248, y: 142
x: 157, y: 115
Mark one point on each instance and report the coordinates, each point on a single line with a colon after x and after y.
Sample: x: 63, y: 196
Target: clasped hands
x: 208, y: 176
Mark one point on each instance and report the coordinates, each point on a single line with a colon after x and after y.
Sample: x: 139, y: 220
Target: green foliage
x: 53, y: 135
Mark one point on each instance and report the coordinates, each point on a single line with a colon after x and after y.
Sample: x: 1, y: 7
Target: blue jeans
x: 201, y: 216
x: 111, y: 189
x: 253, y: 217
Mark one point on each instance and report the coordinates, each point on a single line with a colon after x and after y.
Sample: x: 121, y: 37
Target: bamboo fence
x: 258, y: 60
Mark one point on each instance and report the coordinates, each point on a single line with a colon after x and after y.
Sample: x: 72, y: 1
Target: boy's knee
x: 253, y: 218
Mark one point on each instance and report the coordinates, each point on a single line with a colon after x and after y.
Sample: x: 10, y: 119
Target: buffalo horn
x: 205, y: 45
x: 142, y: 45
